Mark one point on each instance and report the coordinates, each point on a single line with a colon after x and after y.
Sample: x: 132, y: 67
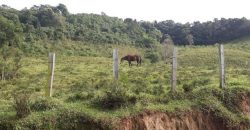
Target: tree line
x: 47, y: 22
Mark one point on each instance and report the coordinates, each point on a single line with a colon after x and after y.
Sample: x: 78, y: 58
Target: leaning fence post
x: 174, y: 68
x: 51, y: 73
x: 222, y: 67
x: 115, y: 64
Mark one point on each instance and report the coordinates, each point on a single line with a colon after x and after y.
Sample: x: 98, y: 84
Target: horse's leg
x: 129, y: 63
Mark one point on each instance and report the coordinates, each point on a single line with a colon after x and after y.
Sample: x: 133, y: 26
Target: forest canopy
x: 47, y: 22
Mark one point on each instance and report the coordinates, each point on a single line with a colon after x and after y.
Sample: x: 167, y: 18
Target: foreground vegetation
x: 84, y: 91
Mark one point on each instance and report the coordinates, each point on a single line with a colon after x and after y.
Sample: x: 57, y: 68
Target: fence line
x: 220, y: 56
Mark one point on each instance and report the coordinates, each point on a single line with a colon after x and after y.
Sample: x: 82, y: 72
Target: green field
x: 84, y: 88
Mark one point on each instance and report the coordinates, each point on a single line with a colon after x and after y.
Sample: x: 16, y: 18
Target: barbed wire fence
x: 182, y: 71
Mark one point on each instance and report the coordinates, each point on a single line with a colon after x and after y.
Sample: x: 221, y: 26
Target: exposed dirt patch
x: 195, y: 120
x: 244, y: 105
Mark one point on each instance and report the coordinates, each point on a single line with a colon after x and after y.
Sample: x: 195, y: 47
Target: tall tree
x: 168, y: 46
x: 10, y: 37
x: 190, y: 39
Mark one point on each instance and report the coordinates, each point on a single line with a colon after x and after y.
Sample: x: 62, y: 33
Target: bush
x: 114, y: 99
x: 6, y: 125
x: 73, y: 120
x: 152, y: 56
x: 43, y: 104
x: 81, y: 96
x: 146, y: 99
x: 10, y: 62
x: 231, y: 97
x: 158, y: 89
x: 187, y: 88
x: 174, y: 95
x: 22, y: 105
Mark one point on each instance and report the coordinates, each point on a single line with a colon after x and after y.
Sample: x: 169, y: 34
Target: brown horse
x: 130, y: 58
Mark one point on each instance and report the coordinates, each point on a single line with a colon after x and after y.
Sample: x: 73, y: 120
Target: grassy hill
x: 84, y: 92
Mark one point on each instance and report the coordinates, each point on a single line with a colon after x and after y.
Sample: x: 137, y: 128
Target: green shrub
x: 72, y: 120
x: 189, y: 85
x: 205, y: 92
x: 187, y: 88
x: 43, y: 104
x: 22, y: 105
x: 176, y: 95
x: 146, y: 99
x: 158, y: 89
x: 231, y: 97
x: 81, y: 96
x: 6, y: 125
x: 152, y: 56
x: 114, y: 99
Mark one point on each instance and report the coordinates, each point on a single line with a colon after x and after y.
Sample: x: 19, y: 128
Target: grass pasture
x: 84, y: 88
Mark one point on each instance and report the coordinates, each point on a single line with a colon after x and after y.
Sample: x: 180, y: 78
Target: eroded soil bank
x: 244, y: 105
x: 194, y: 120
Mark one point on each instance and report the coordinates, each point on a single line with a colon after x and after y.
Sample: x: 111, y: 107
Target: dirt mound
x: 195, y: 120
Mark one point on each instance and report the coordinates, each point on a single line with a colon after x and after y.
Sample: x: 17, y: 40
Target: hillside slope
x: 85, y: 96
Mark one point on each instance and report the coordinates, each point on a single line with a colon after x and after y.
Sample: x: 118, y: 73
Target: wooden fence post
x: 3, y: 76
x: 222, y: 67
x: 115, y: 64
x: 165, y: 52
x: 51, y: 73
x: 174, y: 68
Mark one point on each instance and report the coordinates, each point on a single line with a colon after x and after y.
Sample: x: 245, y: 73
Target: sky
x: 149, y: 10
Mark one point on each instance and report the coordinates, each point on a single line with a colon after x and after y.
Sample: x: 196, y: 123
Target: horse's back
x: 133, y: 57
